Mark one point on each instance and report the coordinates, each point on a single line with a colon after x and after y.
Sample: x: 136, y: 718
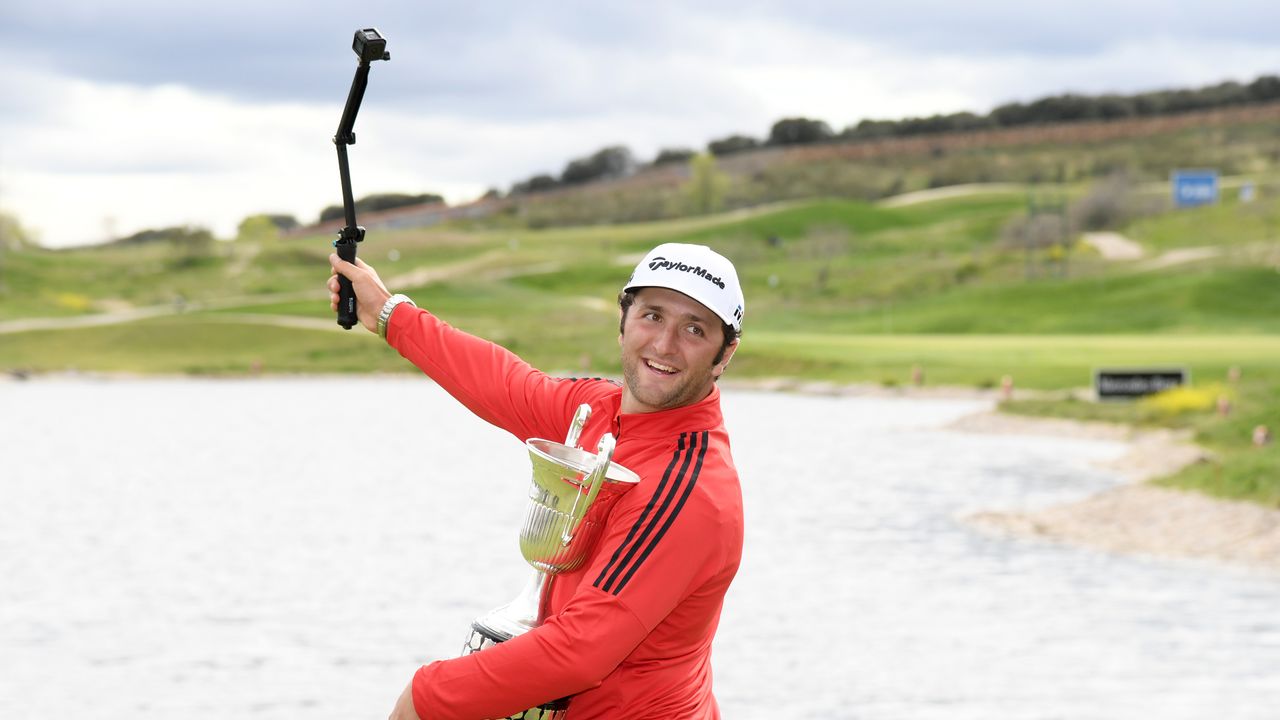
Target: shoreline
x: 765, y: 384
x: 1137, y: 517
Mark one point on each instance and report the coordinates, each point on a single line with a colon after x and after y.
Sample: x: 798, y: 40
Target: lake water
x: 269, y: 549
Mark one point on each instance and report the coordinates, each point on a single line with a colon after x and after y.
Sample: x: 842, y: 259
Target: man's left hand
x: 404, y: 706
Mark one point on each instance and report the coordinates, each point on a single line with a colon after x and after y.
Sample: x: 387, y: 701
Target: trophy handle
x: 593, y: 481
x: 575, y: 426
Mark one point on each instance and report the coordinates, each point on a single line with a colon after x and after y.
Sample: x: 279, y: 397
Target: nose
x: 664, y: 342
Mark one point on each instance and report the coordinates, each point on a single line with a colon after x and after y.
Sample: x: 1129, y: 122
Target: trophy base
x: 482, y: 637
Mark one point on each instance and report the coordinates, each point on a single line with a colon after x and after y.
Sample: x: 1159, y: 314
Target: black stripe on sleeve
x: 633, y: 543
x: 688, y: 488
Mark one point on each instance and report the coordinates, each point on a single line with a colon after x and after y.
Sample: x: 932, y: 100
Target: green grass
x: 315, y: 308
x: 837, y: 290
x: 195, y: 345
x: 1034, y: 361
x: 1235, y: 468
x: 1227, y: 225
x: 1248, y: 473
x: 1200, y: 299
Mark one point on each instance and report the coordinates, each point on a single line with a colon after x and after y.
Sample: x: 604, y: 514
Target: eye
x: 694, y: 329
x: 649, y: 315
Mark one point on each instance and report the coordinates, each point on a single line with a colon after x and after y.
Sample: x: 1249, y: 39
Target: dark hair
x: 627, y: 297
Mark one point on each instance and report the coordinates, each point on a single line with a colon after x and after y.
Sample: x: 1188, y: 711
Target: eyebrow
x: 687, y: 316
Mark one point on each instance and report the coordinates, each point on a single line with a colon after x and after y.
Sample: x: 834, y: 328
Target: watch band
x: 389, y: 307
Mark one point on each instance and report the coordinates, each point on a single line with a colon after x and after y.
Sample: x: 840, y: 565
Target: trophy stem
x: 544, y: 596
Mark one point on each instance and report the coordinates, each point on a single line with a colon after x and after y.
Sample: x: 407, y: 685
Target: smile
x: 664, y: 369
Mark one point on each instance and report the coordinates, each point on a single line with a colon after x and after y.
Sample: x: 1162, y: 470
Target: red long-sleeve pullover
x: 629, y: 634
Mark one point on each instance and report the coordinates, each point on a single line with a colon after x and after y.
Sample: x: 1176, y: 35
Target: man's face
x: 669, y: 342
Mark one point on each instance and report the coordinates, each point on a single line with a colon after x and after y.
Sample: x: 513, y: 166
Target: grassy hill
x: 817, y: 267
x: 837, y: 289
x: 1235, y: 140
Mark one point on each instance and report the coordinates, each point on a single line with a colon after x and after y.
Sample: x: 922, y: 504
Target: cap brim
x: 700, y: 300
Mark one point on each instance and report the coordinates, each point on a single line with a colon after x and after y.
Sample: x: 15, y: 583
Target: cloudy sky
x: 118, y: 116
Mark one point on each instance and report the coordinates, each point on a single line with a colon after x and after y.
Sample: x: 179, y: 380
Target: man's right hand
x: 371, y: 294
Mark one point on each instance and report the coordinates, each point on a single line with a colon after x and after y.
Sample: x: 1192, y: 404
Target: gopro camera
x: 370, y: 45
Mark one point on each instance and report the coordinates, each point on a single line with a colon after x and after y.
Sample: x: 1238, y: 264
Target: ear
x: 719, y: 367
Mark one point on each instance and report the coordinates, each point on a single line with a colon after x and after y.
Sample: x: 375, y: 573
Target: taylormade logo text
x: 661, y: 263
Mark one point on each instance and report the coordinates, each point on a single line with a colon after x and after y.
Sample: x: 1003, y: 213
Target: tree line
x: 618, y: 161
x: 1071, y: 107
x: 380, y: 201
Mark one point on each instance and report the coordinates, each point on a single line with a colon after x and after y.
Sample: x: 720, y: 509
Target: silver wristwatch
x: 389, y: 307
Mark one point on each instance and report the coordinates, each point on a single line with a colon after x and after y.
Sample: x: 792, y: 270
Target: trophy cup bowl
x: 570, y: 496
x: 563, y: 518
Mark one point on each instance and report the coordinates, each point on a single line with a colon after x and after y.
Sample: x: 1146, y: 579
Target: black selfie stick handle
x: 369, y: 45
x: 347, y: 294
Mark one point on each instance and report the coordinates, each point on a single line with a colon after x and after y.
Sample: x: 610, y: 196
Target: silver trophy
x: 569, y: 498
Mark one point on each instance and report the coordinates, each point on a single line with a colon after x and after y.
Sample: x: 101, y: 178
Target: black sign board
x: 1114, y: 384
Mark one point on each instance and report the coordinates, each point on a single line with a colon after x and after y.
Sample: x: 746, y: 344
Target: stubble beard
x: 687, y: 391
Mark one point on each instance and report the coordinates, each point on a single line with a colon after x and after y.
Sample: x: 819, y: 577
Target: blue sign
x: 1192, y: 188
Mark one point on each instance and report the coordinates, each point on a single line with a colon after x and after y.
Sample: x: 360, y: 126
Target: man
x: 629, y: 634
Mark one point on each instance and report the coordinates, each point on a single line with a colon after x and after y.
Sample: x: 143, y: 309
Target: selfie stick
x: 368, y: 45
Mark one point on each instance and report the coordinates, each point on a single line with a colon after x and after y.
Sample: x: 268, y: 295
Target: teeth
x: 660, y: 366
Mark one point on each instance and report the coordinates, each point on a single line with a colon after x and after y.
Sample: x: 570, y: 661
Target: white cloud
x: 110, y: 155
x: 795, y: 71
x: 1131, y: 65
x: 822, y: 73
x: 81, y: 156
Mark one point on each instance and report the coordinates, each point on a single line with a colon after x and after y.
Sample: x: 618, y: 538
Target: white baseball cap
x: 697, y: 271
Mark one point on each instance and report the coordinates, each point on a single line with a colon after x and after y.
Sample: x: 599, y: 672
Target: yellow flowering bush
x: 1186, y: 399
x: 73, y: 301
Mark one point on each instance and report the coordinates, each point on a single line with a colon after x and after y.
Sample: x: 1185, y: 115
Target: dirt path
x: 1139, y: 518
x: 942, y: 193
x: 1180, y: 256
x: 1150, y: 520
x: 436, y: 273
x: 128, y: 315
x: 417, y: 277
x: 1113, y: 246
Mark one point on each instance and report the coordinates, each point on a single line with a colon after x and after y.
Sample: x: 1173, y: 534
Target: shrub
x: 380, y: 201
x: 799, y: 131
x: 673, y: 155
x: 1184, y: 399
x: 610, y: 162
x: 732, y: 144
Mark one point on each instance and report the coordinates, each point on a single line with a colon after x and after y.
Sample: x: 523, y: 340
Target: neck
x: 632, y: 406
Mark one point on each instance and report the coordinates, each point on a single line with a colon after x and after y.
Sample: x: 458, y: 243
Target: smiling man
x: 629, y: 634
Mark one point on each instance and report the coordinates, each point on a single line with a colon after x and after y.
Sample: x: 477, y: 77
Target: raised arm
x: 488, y: 379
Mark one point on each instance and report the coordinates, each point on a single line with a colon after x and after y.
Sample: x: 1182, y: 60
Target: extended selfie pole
x: 369, y: 45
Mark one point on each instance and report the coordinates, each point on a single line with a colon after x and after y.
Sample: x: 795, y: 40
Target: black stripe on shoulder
x: 612, y: 568
x: 649, y: 517
x: 644, y: 515
x: 688, y: 488
x: 575, y: 378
